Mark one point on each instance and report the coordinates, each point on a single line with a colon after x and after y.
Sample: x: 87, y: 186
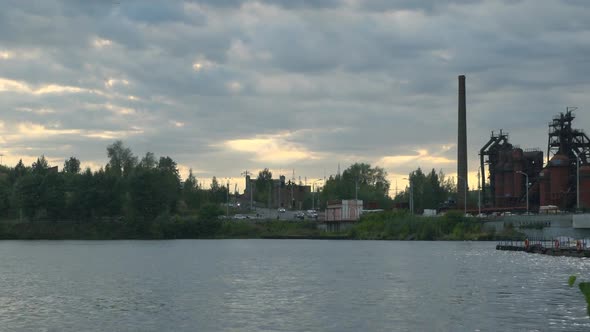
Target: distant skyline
x: 224, y: 86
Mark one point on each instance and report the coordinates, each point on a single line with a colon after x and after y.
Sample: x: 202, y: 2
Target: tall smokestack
x: 462, y: 146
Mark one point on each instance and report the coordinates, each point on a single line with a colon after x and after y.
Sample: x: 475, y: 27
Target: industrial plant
x: 518, y: 179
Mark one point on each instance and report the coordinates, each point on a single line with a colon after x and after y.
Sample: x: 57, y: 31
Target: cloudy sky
x: 224, y: 86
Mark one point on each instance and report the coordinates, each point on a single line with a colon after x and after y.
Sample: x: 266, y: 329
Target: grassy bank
x: 381, y: 226
x: 176, y: 228
x: 403, y: 226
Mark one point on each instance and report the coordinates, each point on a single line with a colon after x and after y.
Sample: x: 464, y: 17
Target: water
x: 285, y: 285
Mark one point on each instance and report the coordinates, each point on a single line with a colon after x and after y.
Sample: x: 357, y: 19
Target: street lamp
x: 578, y: 179
x: 313, y: 189
x: 227, y: 198
x: 465, y: 198
x: 527, y: 190
x: 479, y: 191
x: 411, y: 195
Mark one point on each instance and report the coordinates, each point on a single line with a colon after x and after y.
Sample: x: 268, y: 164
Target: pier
x: 577, y: 248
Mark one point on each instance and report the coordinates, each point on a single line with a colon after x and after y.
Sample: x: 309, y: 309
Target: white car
x: 282, y: 210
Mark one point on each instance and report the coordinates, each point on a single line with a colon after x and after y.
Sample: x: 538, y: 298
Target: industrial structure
x: 283, y: 193
x: 462, y: 146
x: 518, y: 178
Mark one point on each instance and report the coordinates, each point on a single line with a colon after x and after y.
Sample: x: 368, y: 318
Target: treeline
x: 431, y: 191
x: 360, y: 181
x: 127, y: 188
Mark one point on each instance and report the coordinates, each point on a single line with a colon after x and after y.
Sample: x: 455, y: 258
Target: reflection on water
x: 288, y: 285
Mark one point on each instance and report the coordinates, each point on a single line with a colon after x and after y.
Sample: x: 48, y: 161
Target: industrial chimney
x: 462, y: 147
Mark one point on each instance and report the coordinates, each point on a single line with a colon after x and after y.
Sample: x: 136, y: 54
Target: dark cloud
x: 334, y: 81
x: 417, y: 5
x: 288, y: 4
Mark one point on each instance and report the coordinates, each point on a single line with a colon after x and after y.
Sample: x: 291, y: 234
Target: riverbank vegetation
x: 144, y: 198
x: 127, y: 188
x: 380, y: 226
x: 401, y: 225
x: 174, y: 228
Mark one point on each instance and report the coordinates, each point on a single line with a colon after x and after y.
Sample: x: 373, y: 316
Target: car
x: 282, y: 210
x: 240, y: 217
x: 300, y: 215
x: 312, y: 213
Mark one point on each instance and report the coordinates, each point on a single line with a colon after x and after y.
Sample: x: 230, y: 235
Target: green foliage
x: 121, y: 159
x: 218, y: 193
x: 138, y: 192
x: 360, y: 180
x: 585, y: 289
x: 52, y: 196
x: 401, y: 225
x: 531, y: 226
x: 571, y: 280
x: 72, y: 166
x: 263, y: 186
x: 430, y: 190
x: 210, y: 212
x: 192, y: 196
x: 40, y: 166
x: 5, y: 189
x: 27, y: 196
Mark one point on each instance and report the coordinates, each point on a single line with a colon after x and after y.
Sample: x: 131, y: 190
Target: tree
x: 367, y: 183
x: 20, y: 169
x: 26, y: 195
x: 430, y: 190
x: 153, y: 192
x: 148, y: 161
x: 190, y: 184
x: 72, y: 166
x: 218, y: 193
x: 214, y: 184
x: 52, y: 195
x: 263, y: 185
x: 210, y: 212
x: 40, y: 166
x: 5, y: 189
x: 166, y: 164
x: 190, y: 191
x: 121, y: 159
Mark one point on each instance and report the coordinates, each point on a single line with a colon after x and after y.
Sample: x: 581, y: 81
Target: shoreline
x: 382, y: 228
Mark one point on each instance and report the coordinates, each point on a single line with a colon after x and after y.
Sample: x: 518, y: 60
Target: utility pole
x: 527, y: 190
x: 411, y: 202
x: 227, y: 206
x: 578, y: 182
x: 292, y: 185
x: 479, y: 192
x: 249, y: 185
x: 312, y: 198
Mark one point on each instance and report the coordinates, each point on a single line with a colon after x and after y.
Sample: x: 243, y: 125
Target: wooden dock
x: 546, y: 247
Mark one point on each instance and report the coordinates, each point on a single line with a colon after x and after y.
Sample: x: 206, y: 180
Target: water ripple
x: 267, y: 285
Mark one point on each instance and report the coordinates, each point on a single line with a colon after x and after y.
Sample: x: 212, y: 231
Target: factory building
x: 553, y: 184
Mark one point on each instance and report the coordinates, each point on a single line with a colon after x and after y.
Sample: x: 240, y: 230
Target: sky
x: 225, y: 86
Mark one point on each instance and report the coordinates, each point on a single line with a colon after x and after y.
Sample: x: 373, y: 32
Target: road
x: 264, y: 213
